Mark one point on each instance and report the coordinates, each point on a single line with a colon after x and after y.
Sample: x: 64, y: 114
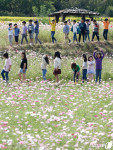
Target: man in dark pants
x: 106, y: 23
x: 95, y: 30
x: 82, y: 26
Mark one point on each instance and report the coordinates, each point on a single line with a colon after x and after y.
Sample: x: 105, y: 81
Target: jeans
x: 74, y: 37
x: 37, y: 39
x: 84, y: 75
x: 83, y: 35
x: 87, y: 35
x: 10, y: 39
x: 5, y: 76
x: 44, y: 71
x: 105, y: 34
x: 98, y: 75
x: 52, y: 36
x: 24, y: 36
x: 97, y: 35
x: 75, y: 75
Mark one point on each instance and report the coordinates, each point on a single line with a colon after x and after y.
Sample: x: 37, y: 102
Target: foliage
x: 109, y: 11
x: 31, y: 7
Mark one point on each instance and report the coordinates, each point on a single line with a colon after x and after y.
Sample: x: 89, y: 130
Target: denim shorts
x: 21, y: 71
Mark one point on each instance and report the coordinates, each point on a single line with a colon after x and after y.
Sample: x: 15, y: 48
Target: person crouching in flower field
x: 53, y: 26
x: 23, y: 66
x: 98, y: 56
x: 76, y: 71
x: 7, y: 68
x: 66, y: 30
x: 45, y: 62
x: 57, y: 65
x: 37, y: 32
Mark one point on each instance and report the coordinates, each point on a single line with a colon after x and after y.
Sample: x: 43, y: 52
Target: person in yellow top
x: 53, y: 26
x: 106, y: 23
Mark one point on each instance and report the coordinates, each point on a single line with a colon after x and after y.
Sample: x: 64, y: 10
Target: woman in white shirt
x: 84, y: 68
x: 57, y: 65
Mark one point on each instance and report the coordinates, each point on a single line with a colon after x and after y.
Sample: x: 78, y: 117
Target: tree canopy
x: 44, y: 7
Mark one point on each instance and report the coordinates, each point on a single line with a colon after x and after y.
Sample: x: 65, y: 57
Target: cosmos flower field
x: 37, y: 115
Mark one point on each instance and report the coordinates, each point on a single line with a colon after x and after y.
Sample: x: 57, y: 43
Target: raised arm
x: 49, y: 21
x: 102, y: 54
x: 94, y: 55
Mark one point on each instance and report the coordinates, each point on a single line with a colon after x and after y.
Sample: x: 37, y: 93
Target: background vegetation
x: 44, y: 7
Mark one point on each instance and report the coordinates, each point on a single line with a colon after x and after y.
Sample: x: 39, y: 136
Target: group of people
x: 31, y: 30
x: 81, y: 28
x: 88, y: 67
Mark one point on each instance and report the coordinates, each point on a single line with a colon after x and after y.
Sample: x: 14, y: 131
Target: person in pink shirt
x: 7, y: 68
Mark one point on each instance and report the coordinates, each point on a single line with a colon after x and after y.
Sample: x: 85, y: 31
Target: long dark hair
x: 73, y: 66
x: 57, y: 54
x: 23, y: 53
x: 85, y: 57
x: 47, y: 59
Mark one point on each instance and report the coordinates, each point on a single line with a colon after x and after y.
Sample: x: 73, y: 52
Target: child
x: 82, y: 26
x: 24, y: 32
x: 45, y: 62
x: 95, y: 30
x: 10, y: 34
x: 53, y: 25
x: 17, y: 31
x: 98, y: 57
x: 23, y: 66
x: 31, y: 31
x: 76, y: 71
x: 87, y: 30
x: 37, y: 32
x: 57, y: 65
x: 7, y: 68
x: 66, y: 31
x: 91, y: 70
x: 74, y: 30
x: 84, y: 68
x: 106, y: 23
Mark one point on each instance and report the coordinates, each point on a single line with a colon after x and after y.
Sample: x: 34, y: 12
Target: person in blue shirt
x: 16, y: 33
x: 37, y: 32
x: 82, y: 26
x: 66, y: 30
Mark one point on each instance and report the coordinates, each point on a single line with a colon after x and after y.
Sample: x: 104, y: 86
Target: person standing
x: 74, y: 30
x: 37, y: 32
x: 17, y: 31
x: 53, y: 26
x: 31, y: 31
x: 66, y: 30
x: 24, y: 32
x: 10, y: 34
x: 106, y: 23
x: 82, y: 26
x: 87, y: 30
x: 7, y: 68
x: 98, y: 57
x: 95, y: 30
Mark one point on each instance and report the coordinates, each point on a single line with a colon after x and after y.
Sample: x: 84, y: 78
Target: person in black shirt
x: 23, y: 66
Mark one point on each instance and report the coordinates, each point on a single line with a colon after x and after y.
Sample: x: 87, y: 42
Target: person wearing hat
x: 16, y: 34
x: 66, y: 30
x: 24, y: 32
x: 106, y: 23
x: 37, y: 32
x: 53, y: 26
x: 31, y: 31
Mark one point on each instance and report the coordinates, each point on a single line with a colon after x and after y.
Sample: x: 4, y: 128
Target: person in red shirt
x: 106, y: 23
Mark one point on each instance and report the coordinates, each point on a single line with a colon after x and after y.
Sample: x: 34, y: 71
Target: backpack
x: 72, y: 29
x: 78, y: 30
